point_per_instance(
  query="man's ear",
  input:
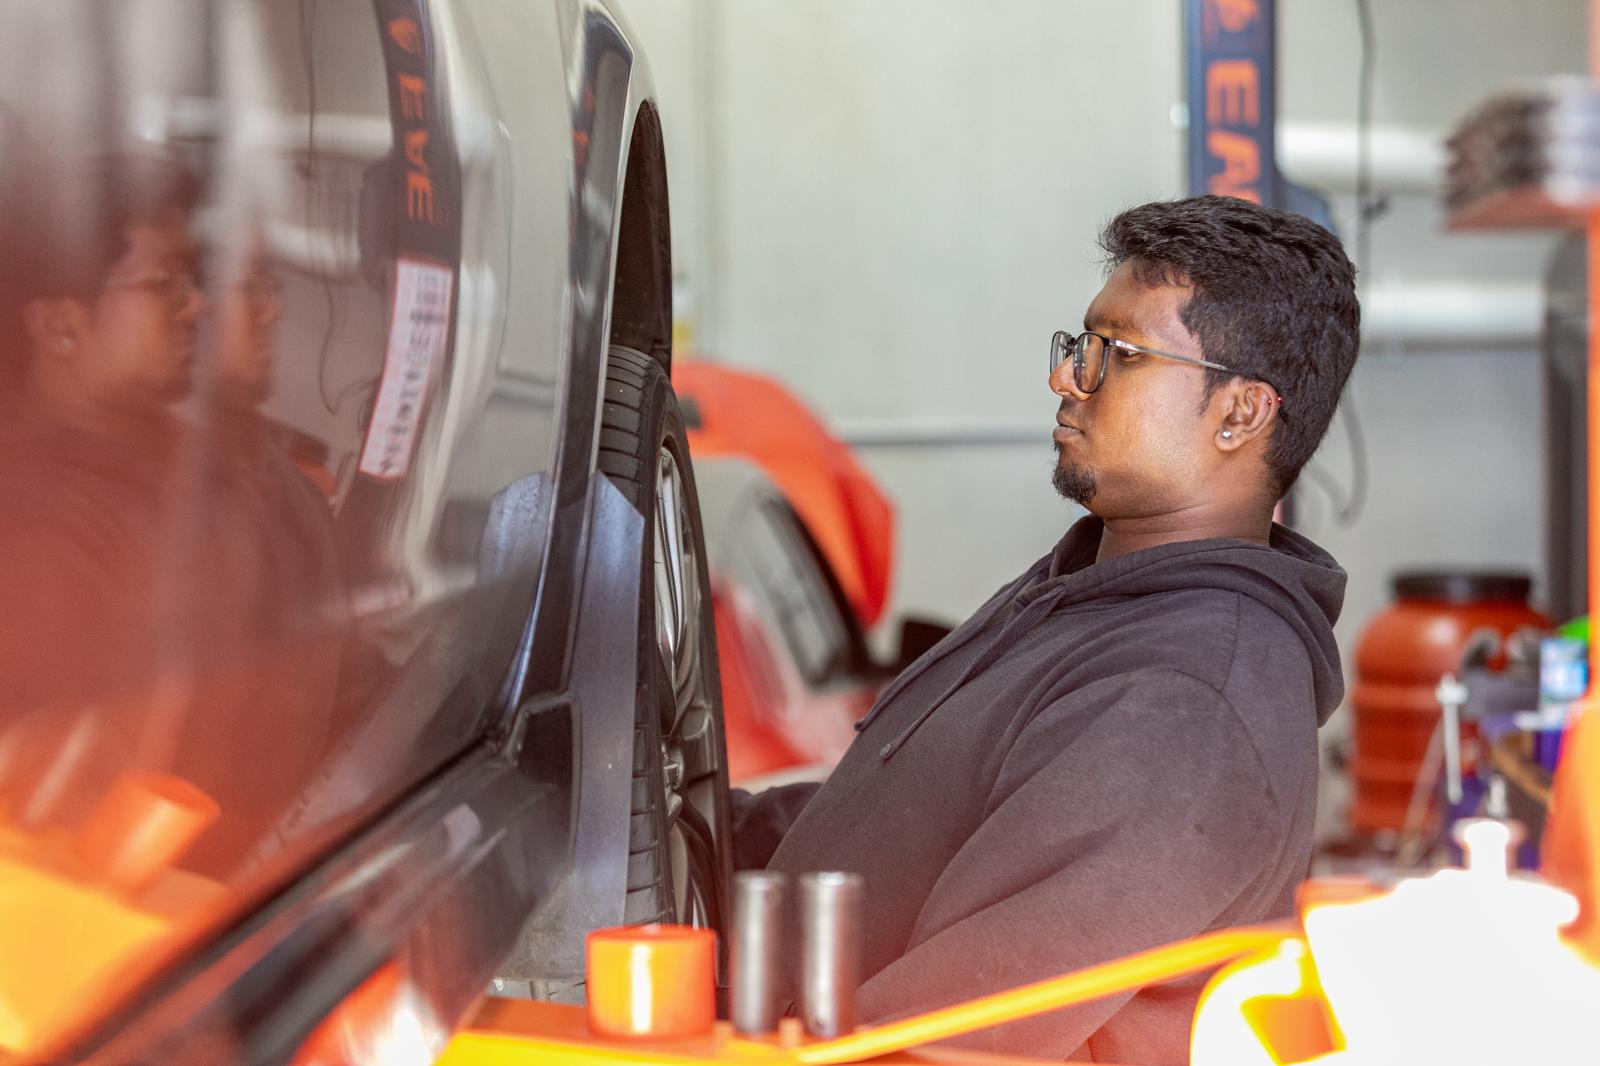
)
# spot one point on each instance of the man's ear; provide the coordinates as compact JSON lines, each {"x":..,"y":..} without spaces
{"x":56,"y":325}
{"x":1249,"y":409}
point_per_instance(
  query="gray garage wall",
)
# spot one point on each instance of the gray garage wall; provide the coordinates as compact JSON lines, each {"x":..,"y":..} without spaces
{"x":890,"y":204}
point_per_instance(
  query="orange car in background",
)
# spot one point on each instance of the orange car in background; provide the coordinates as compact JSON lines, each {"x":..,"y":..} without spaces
{"x":800,"y":545}
{"x":735,"y":412}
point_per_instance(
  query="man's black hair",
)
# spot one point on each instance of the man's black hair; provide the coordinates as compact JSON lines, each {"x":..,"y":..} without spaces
{"x":64,"y":222}
{"x":1273,"y":296}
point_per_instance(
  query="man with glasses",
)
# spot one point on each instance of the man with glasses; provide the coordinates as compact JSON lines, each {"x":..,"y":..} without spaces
{"x":1119,"y":749}
{"x":101,"y":307}
{"x":99,"y":289}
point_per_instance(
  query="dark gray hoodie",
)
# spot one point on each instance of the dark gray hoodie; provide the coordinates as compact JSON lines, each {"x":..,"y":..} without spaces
{"x":1104,"y":758}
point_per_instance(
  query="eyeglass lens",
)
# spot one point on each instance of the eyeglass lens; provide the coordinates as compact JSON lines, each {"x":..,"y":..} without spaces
{"x":1087,"y":352}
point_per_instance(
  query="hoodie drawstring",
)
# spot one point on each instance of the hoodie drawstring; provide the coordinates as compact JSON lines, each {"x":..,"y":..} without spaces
{"x":1013,"y":631}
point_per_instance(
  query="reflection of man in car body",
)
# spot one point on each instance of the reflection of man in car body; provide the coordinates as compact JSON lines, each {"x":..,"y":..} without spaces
{"x":163,"y":578}
{"x":1119,"y":749}
{"x":99,"y":285}
{"x":247,"y":327}
{"x":272,"y":604}
{"x":101,"y":305}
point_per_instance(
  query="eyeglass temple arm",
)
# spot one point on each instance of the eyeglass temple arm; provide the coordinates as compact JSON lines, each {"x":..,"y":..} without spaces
{"x":1187,"y":359}
{"x":1125,"y":346}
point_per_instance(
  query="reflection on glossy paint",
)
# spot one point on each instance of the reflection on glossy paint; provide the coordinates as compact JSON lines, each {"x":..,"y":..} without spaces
{"x":384,"y":1022}
{"x":232,"y":239}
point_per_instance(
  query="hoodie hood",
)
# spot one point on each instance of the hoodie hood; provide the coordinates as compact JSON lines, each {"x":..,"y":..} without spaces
{"x":1290,"y":576}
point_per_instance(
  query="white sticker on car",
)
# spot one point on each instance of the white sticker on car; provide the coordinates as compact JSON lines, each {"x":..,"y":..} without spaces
{"x":417,"y":336}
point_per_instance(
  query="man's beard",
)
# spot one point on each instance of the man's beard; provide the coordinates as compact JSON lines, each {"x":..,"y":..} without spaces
{"x":1074,"y":482}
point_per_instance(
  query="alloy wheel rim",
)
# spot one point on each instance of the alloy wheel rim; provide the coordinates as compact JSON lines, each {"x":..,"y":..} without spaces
{"x":680,"y":647}
{"x":677,"y":588}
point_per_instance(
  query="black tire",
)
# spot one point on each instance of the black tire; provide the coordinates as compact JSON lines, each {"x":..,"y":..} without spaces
{"x":640,"y":423}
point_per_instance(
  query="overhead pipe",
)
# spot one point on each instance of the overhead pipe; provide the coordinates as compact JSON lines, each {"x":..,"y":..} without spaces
{"x":1405,"y":159}
{"x":1322,"y":155}
{"x":1446,"y":314}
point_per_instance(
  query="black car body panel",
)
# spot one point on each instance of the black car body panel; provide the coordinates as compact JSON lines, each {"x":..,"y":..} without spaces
{"x":415,"y":710}
{"x":435,"y":886}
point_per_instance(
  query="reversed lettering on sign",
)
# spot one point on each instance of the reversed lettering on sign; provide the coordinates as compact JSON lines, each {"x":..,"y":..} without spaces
{"x":1233,"y":93}
{"x":405,"y":32}
{"x":417,"y":336}
{"x":1241,"y":165}
{"x":1233,"y":15}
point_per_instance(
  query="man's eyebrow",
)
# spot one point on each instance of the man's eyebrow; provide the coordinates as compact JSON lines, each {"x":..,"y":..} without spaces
{"x":1108,"y":325}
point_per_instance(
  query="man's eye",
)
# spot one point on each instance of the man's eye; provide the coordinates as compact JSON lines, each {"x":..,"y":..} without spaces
{"x":1127,"y":355}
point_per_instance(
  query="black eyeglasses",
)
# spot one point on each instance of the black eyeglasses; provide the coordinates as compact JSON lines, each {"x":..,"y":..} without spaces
{"x":173,"y":287}
{"x":1089,"y":352}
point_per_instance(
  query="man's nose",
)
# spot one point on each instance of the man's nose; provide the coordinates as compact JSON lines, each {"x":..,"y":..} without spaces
{"x":195,"y":305}
{"x":1063,"y":384}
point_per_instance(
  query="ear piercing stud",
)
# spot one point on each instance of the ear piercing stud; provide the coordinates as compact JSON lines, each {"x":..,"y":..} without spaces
{"x":1227,"y":434}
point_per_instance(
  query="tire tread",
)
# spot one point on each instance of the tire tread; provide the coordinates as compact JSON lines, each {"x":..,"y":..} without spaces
{"x":636,"y":392}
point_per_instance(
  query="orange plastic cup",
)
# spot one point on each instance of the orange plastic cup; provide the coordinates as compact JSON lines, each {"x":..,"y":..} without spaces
{"x":652,"y":981}
{"x":142,"y":827}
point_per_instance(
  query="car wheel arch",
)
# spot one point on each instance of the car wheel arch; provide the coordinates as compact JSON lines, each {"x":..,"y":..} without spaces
{"x":641,"y":290}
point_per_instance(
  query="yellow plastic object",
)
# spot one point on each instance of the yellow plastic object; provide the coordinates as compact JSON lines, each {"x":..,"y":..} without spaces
{"x":62,"y":944}
{"x":522,"y":1033}
{"x":1571,"y":850}
{"x":1264,"y":1010}
{"x":652,"y":981}
{"x":1094,"y":982}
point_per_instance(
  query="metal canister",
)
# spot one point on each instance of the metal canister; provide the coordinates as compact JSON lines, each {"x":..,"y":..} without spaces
{"x":756,"y":950}
{"x":830,"y":951}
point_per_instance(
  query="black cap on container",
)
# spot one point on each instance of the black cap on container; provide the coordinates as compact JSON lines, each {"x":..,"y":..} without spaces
{"x":1463,"y":586}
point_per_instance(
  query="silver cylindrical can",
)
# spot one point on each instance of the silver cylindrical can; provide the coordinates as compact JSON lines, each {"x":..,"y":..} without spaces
{"x":756,"y":951}
{"x":830,"y":952}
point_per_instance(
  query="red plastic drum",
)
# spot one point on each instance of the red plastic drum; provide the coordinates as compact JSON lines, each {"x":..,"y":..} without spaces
{"x":1399,"y":660}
